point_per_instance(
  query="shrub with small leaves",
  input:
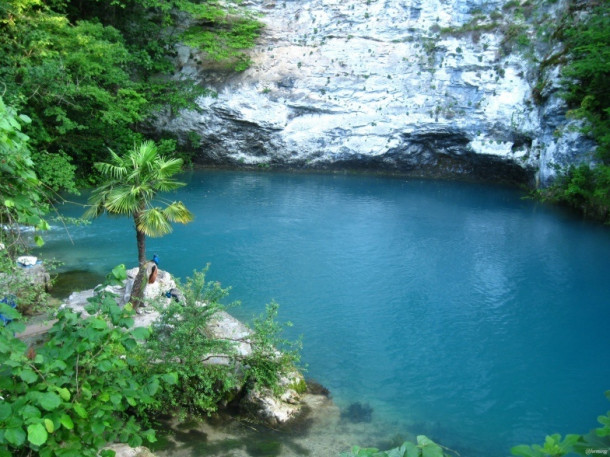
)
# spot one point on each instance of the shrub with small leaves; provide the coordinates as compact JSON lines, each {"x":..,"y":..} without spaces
{"x":78,"y":391}
{"x":180,"y":344}
{"x":272,"y":355}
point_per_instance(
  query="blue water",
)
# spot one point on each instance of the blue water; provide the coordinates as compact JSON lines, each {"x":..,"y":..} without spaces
{"x":457,"y":310}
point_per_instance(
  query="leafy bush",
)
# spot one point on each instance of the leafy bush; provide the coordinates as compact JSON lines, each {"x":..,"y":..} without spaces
{"x":79,"y":390}
{"x":585,"y":36}
{"x":179,"y":344}
{"x":22,"y":199}
{"x":587,"y":73}
{"x":90,"y":77}
{"x":272,"y":355}
{"x":585,"y":189}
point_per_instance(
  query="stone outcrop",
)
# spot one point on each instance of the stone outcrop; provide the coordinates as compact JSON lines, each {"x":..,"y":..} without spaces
{"x":398,"y":85}
{"x":262,"y":405}
{"x":273,"y":410}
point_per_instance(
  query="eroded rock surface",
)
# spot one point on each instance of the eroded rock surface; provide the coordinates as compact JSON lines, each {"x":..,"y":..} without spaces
{"x":262,"y":404}
{"x":383,"y":84}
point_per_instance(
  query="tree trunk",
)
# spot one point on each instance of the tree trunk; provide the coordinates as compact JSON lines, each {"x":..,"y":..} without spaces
{"x":137,"y":292}
{"x":141,"y":239}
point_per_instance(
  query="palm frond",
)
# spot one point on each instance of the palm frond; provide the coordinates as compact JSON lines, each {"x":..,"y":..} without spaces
{"x":147,"y":153}
{"x":110,"y":170}
{"x":154,"y":223}
{"x":168,"y":185}
{"x":114,"y":169}
{"x":93,"y":211}
{"x":121,"y":201}
{"x":169,"y":167}
{"x":116,"y":158}
{"x":177,"y":212}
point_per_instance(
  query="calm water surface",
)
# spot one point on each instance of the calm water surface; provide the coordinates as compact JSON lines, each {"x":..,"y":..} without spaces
{"x":455,"y":310}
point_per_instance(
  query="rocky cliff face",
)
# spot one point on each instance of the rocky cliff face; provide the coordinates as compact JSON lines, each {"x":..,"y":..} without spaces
{"x":424,"y":87}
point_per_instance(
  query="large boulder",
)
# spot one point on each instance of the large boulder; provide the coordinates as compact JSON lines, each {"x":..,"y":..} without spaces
{"x":263,"y":405}
{"x":259,"y":404}
{"x":35,"y":270}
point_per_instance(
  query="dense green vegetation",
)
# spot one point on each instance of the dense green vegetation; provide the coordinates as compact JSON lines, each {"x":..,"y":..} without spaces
{"x":98,"y":380}
{"x":90,"y":74}
{"x":22,"y":197}
{"x":584,"y":31}
{"x":180,"y":342}
{"x":79,"y":390}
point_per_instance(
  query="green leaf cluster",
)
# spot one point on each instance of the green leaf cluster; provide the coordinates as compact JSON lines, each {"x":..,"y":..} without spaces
{"x":584,"y":188}
{"x":180,"y":344}
{"x":22,"y":197}
{"x":78,"y":391}
{"x":272,"y":355}
{"x":92,"y":74}
{"x":131,"y":183}
{"x":423,"y":447}
{"x":222,"y":35}
{"x":587,"y":74}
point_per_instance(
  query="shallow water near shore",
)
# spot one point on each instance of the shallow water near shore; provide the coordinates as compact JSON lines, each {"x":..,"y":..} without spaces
{"x":455,"y":310}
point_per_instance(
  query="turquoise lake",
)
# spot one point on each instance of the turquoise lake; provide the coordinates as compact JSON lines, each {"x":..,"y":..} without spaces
{"x":455,"y":310}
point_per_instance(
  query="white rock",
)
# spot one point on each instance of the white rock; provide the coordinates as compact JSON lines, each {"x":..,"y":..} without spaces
{"x":336,"y":83}
{"x":124,"y":450}
{"x":27,"y":260}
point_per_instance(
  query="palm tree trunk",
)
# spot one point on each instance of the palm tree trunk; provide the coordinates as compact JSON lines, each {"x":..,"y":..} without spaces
{"x":137,"y":292}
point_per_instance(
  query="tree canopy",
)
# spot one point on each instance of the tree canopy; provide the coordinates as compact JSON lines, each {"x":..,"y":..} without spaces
{"x":90,"y":74}
{"x":22,"y":199}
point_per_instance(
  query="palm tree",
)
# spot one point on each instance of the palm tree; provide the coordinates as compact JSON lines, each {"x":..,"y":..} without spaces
{"x":132,"y":183}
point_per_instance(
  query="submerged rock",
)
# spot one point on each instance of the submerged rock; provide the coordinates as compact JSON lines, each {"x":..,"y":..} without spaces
{"x":358,"y":412}
{"x":426,"y":88}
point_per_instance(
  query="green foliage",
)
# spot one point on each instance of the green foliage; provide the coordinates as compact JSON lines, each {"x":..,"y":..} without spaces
{"x":423,"y":447}
{"x":272,"y":355}
{"x":588,"y":74}
{"x":56,"y":171}
{"x":584,"y":31}
{"x":221,"y":36}
{"x":73,"y":80}
{"x":91,"y":74}
{"x":180,"y":344}
{"x":22,"y":199}
{"x":585,"y":189}
{"x":555,"y":446}
{"x":76,"y":392}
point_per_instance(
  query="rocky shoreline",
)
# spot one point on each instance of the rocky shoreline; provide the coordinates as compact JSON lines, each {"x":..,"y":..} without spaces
{"x":259,"y":406}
